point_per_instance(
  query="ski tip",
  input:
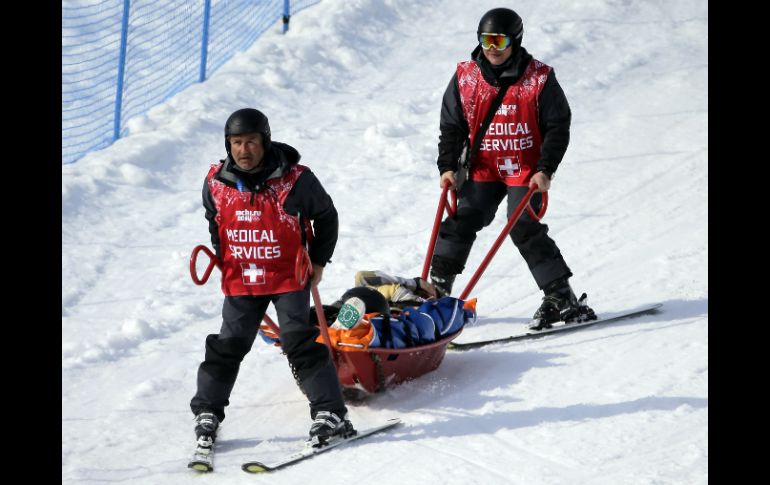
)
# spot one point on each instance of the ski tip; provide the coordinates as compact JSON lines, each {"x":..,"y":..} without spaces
{"x":200,"y":467}
{"x":254,"y":467}
{"x":389,"y":423}
{"x":456,"y":346}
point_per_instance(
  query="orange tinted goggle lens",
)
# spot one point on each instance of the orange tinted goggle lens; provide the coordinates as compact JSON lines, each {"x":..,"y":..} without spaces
{"x":498,"y":41}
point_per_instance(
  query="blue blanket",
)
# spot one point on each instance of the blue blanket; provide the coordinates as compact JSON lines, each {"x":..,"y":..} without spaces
{"x":431,"y":321}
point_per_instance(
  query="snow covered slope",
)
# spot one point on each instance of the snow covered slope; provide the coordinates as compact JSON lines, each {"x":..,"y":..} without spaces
{"x":356,"y":87}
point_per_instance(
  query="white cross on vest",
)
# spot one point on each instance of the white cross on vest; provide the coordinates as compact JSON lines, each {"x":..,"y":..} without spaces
{"x":253,"y":274}
{"x":509,"y":167}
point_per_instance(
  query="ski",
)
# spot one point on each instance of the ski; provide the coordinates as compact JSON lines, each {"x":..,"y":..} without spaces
{"x":203,"y":459}
{"x":309,"y":452}
{"x":561,"y":327}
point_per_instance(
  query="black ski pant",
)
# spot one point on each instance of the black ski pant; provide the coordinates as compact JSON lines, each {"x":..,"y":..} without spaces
{"x":310,"y":361}
{"x":476,"y":206}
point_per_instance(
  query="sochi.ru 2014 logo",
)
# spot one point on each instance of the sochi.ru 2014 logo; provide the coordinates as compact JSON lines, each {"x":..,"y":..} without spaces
{"x":247,"y":215}
{"x":504,"y":109}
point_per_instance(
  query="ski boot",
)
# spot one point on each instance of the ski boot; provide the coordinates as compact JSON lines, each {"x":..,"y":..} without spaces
{"x":206,"y":426}
{"x":328,"y":426}
{"x":442,"y":283}
{"x":560,"y":304}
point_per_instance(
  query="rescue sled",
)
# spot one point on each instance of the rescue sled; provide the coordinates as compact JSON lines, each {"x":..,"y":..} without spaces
{"x":372,"y":370}
{"x":366,"y":371}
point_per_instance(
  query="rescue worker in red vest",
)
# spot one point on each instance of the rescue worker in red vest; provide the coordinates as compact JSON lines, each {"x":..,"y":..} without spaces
{"x":522,"y":147}
{"x":259,"y":202}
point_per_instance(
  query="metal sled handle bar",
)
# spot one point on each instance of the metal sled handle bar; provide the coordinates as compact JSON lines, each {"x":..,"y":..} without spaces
{"x":506,"y":230}
{"x":214,"y":261}
{"x":451,"y":209}
{"x":303,"y":272}
{"x":319,"y":311}
{"x":302,"y":266}
{"x":270,"y":323}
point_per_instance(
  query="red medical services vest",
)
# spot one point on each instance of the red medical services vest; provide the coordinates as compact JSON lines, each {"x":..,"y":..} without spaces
{"x":510,"y":148}
{"x":259,"y":241}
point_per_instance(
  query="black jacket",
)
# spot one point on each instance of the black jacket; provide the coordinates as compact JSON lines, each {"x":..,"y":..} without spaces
{"x":553,"y":110}
{"x":307,"y":198}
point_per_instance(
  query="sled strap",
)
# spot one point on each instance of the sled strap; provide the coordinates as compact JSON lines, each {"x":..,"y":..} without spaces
{"x":408,"y":340}
{"x":487,"y":121}
{"x":387,"y":334}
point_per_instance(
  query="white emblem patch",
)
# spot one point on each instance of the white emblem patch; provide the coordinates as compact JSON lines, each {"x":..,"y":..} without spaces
{"x":253,"y":274}
{"x":508,"y":168}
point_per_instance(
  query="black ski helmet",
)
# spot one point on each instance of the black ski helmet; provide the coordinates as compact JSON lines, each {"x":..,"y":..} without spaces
{"x":373,"y":299}
{"x":248,"y":120}
{"x":503,"y":21}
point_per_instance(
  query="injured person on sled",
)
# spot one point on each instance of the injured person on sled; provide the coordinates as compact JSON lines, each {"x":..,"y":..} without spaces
{"x":384,"y":311}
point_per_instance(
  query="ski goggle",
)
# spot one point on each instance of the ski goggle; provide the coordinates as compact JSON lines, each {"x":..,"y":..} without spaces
{"x":498,"y":41}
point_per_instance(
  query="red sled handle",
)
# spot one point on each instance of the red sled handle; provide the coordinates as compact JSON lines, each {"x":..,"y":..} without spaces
{"x":303,"y":268}
{"x":303,"y":272}
{"x":506,"y":230}
{"x":214,"y":261}
{"x":451,"y":209}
